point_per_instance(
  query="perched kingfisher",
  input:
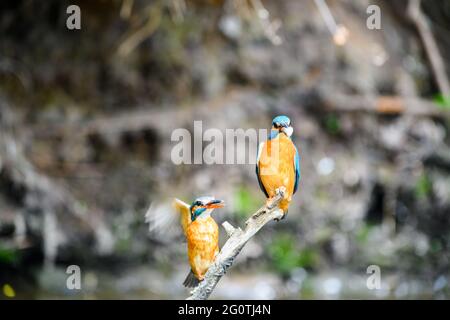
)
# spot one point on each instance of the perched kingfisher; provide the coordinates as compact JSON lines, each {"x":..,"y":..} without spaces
{"x":278,"y":163}
{"x":202,"y":234}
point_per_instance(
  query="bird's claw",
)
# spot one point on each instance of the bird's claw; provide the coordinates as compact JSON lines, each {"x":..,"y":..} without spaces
{"x":282,"y":217}
{"x":281,"y":190}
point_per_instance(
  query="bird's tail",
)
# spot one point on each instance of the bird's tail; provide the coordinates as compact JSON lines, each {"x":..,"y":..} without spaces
{"x":191,"y":281}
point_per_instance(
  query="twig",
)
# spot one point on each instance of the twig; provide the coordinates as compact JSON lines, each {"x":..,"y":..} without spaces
{"x":327,"y":16}
{"x":237,"y":240}
{"x":339,"y":32}
{"x":150,"y":117}
{"x":144,"y":32}
{"x":395,"y":105}
{"x":436,"y":61}
{"x":269,"y":27}
{"x":126,"y":8}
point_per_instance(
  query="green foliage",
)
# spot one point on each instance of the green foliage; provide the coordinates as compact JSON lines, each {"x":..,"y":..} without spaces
{"x":8,"y":256}
{"x":245,"y":202}
{"x":423,"y":186}
{"x":436,"y":246}
{"x":123,"y":245}
{"x":362,"y":234}
{"x":332,"y":124}
{"x":307,"y":258}
{"x":286,"y":255}
{"x":443,"y":102}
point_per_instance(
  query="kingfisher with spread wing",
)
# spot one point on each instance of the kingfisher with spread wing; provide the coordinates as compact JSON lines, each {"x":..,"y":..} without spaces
{"x":202,"y":234}
{"x":278,"y":163}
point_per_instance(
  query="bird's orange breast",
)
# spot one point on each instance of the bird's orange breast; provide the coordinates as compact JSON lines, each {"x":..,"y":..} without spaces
{"x":203,"y":245}
{"x":276,"y":167}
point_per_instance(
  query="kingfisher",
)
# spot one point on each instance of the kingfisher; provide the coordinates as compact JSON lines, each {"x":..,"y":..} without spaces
{"x":202,"y":234}
{"x":278,"y":163}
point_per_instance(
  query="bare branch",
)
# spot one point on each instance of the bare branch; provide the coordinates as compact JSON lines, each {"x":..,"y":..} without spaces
{"x":228,"y":228}
{"x":437,"y":63}
{"x":237,"y":240}
{"x":126,"y":9}
{"x":136,"y":37}
{"x":381,"y":105}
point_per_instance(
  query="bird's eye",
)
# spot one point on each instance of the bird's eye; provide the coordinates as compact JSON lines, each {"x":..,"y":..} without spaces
{"x":277,"y":125}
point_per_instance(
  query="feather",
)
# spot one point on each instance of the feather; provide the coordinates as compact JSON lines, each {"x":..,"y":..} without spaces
{"x":278,"y":160}
{"x":159,"y":217}
{"x":191,"y":281}
{"x":260,"y":148}
{"x":162,"y":218}
{"x":297,"y":169}
{"x":184,"y":211}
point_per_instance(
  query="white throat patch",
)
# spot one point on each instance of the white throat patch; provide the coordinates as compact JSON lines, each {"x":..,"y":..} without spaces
{"x":205,"y":214}
{"x":289,"y":131}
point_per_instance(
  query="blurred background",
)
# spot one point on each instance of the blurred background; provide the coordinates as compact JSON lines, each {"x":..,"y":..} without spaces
{"x":86,"y":118}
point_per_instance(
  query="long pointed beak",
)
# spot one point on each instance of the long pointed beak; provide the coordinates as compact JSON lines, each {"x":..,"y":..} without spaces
{"x":214,"y":204}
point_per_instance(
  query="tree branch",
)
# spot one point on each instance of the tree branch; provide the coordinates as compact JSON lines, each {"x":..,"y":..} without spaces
{"x":381,"y":105}
{"x":437,"y":63}
{"x":237,"y":240}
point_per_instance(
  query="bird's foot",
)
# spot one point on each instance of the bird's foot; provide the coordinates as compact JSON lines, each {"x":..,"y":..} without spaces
{"x":270,"y":203}
{"x":282,"y":217}
{"x":281,"y":190}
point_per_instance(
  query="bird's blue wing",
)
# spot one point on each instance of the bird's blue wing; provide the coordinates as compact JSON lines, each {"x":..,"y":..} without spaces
{"x":297,"y":169}
{"x":257,"y":169}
